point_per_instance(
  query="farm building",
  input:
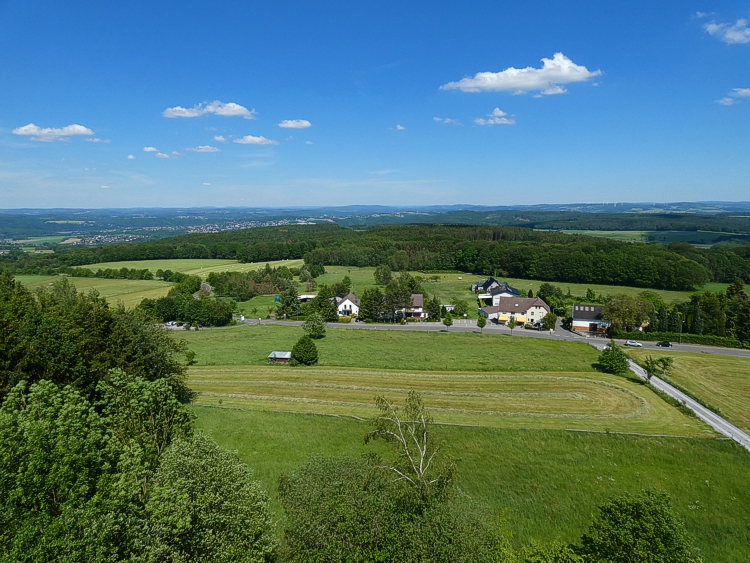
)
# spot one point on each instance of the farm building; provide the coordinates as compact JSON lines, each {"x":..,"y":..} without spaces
{"x":277,"y":357}
{"x":588,"y":318}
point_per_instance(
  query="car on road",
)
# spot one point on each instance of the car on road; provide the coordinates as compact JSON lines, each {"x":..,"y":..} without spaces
{"x":664,"y":344}
{"x":633,"y":343}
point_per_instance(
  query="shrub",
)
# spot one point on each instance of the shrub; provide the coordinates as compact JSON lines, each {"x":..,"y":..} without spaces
{"x":305,"y":352}
{"x":315,"y":326}
{"x":613,"y":359}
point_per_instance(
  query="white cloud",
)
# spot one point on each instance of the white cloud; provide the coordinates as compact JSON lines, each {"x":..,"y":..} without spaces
{"x":547,"y":80}
{"x":104,"y":187}
{"x":206,"y":183}
{"x":216,"y":107}
{"x":736,"y":33}
{"x":729,"y":100}
{"x":220,"y":138}
{"x":204,"y":148}
{"x":497,"y":117}
{"x":48,"y":134}
{"x":308,"y":142}
{"x":400,"y":127}
{"x":97,"y":140}
{"x":446,"y":120}
{"x":150,"y":149}
{"x":295,"y":124}
{"x":131,"y":157}
{"x":175,"y":153}
{"x":161,"y":155}
{"x":253,"y":140}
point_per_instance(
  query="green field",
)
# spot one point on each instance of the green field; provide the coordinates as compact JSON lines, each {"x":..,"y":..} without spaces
{"x":546,"y":483}
{"x":698,"y":238}
{"x":196,"y":267}
{"x":481,"y":379}
{"x":129,"y":292}
{"x":721,"y":381}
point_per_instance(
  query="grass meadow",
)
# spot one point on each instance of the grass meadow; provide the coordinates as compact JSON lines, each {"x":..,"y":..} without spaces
{"x":721,"y":381}
{"x":545,"y":484}
{"x":195,"y":267}
{"x":129,"y":292}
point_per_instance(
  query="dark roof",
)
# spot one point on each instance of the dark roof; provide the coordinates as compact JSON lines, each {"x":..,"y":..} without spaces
{"x":504,"y":288}
{"x":516,"y":305}
{"x":584,"y":312}
{"x":417,"y":300}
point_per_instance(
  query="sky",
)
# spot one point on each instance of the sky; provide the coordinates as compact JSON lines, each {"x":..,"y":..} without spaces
{"x":175,"y":104}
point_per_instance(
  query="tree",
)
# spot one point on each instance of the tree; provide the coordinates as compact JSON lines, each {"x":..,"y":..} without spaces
{"x":315,"y":326}
{"x":481,"y":322}
{"x":613,"y":359}
{"x":674,"y":322}
{"x":289,"y":305}
{"x":305,"y":352}
{"x":650,"y":366}
{"x":204,"y":506}
{"x":448,"y":320}
{"x":530,"y":294}
{"x":512,"y":323}
{"x":433,"y":308}
{"x":549,"y":321}
{"x":460,"y":308}
{"x":590,"y":295}
{"x":665,"y":364}
{"x":627,"y":311}
{"x":639,"y":527}
{"x":382,"y":274}
{"x":554,"y":552}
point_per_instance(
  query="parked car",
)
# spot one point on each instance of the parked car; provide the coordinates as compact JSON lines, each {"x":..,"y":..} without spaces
{"x":664,"y":344}
{"x":633,"y":343}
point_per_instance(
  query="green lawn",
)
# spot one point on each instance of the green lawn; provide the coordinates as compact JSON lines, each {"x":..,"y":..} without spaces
{"x":196,"y":267}
{"x":722,"y":381}
{"x":129,"y":292}
{"x":547,"y":484}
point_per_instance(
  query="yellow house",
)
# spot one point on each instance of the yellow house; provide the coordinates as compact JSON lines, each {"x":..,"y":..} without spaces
{"x":524,"y":309}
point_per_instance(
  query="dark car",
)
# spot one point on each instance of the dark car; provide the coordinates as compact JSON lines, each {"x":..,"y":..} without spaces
{"x":664,"y":344}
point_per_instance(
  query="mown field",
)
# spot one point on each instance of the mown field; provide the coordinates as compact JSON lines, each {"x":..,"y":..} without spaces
{"x":129,"y":292}
{"x":195,"y":267}
{"x":546,"y":484}
{"x":721,"y":381}
{"x":476,"y":379}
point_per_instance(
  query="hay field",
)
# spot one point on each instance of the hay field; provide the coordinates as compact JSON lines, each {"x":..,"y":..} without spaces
{"x":720,"y":381}
{"x":196,"y":267}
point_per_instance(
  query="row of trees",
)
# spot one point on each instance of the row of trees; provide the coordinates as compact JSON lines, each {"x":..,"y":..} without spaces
{"x":189,"y":303}
{"x":512,"y":251}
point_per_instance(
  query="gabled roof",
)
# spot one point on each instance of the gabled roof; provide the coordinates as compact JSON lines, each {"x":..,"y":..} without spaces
{"x":516,"y":305}
{"x":585,"y":312}
{"x":417,"y":300}
{"x":351,"y":298}
{"x":503,"y":287}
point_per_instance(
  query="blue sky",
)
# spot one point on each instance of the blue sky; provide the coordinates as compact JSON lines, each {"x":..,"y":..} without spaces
{"x":282,"y":103}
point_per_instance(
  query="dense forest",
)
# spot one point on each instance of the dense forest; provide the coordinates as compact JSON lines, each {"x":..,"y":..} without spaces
{"x":511,"y":251}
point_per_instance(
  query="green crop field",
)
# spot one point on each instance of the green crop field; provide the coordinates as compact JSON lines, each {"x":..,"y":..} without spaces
{"x":546,"y":484}
{"x":129,"y":292}
{"x":699,"y":238}
{"x":627,"y":236}
{"x":196,"y":267}
{"x":721,"y":381}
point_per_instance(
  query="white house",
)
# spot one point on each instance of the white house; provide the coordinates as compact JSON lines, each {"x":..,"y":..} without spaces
{"x":348,"y":306}
{"x":524,"y":309}
{"x":417,"y":307}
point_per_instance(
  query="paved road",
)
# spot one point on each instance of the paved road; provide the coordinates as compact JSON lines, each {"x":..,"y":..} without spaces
{"x":460,"y":325}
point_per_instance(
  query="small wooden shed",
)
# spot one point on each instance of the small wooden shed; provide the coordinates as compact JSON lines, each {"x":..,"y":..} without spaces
{"x":277,"y":357}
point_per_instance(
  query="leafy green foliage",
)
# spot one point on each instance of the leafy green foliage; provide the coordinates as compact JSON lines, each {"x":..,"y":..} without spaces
{"x":554,"y":552}
{"x":315,"y":326}
{"x":549,"y":321}
{"x":382,"y":274}
{"x":638,"y":527}
{"x":340,"y":509}
{"x":75,"y":339}
{"x":613,"y":359}
{"x":305,"y":352}
{"x":627,"y":311}
{"x":204,"y":506}
{"x":448,"y":320}
{"x":481,"y":322}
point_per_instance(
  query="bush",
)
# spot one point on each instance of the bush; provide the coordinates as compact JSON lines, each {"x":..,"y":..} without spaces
{"x":613,"y":359}
{"x":315,"y":326}
{"x":346,"y":319}
{"x":305,"y":352}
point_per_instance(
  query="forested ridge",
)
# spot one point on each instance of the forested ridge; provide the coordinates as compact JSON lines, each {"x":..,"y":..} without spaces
{"x":513,"y":251}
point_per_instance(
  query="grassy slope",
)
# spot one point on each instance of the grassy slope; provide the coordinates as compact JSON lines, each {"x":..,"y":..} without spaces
{"x":521,"y":390}
{"x":721,"y":381}
{"x":198,"y":267}
{"x":129,"y":292}
{"x":547,"y":483}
